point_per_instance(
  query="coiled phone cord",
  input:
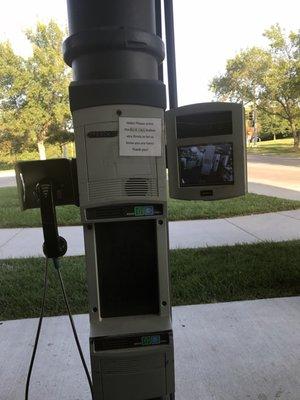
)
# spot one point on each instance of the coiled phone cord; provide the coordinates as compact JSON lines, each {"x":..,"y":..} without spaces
{"x":57,"y":267}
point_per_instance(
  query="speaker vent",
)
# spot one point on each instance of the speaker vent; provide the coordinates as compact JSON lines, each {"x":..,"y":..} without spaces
{"x":137,"y":187}
{"x":110,"y":189}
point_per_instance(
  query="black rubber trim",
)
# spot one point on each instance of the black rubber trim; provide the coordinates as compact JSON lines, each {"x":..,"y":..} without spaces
{"x":121,"y":211}
{"x":109,"y":39}
{"x":129,"y":341}
{"x":85,"y":94}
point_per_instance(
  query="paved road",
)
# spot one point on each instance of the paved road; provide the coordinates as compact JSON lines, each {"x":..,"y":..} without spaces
{"x":277,"y":160}
{"x":277,"y":172}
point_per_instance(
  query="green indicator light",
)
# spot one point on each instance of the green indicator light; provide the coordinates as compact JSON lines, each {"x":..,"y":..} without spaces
{"x":139,"y":211}
{"x":150,"y":340}
{"x":146,"y":341}
{"x":143,"y":211}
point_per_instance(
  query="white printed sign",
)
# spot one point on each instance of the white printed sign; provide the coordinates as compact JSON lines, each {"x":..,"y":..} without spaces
{"x":140,"y":136}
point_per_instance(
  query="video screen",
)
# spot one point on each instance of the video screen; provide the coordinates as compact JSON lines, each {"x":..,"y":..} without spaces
{"x":206,"y":165}
{"x":202,"y":124}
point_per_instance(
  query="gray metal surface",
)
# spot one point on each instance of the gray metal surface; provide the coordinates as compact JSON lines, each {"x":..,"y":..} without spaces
{"x":235,"y":137}
{"x":229,"y":351}
{"x":120,"y":164}
{"x":102,"y":173}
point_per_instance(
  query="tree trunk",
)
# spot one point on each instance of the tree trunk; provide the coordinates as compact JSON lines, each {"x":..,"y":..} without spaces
{"x":73,"y":149}
{"x":64,"y":149}
{"x":42,"y":150}
{"x":274,"y":136}
{"x":296,"y":140}
{"x":296,"y":135}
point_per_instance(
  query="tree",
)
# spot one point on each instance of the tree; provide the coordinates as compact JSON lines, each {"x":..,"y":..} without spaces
{"x":34,"y":92}
{"x":269,"y":79}
{"x":13,"y":80}
{"x":272,"y":127}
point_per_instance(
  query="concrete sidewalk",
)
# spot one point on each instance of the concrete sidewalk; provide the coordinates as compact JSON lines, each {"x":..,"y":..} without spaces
{"x":246,"y":350}
{"x":273,"y":191}
{"x":7,"y":178}
{"x":285,"y":225}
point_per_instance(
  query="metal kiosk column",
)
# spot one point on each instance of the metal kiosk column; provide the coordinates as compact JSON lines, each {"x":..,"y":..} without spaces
{"x":118,"y":104}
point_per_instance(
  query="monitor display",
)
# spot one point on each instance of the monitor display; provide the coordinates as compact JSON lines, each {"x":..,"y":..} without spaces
{"x":213,"y":123}
{"x":206,"y":164}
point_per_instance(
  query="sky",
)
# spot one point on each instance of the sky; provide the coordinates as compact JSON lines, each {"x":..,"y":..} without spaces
{"x":207,"y":33}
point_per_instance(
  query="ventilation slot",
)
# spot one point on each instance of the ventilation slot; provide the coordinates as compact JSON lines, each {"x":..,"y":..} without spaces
{"x":127,"y":342}
{"x":133,"y":365}
{"x":137,"y":187}
{"x":106,"y":189}
{"x":104,"y":212}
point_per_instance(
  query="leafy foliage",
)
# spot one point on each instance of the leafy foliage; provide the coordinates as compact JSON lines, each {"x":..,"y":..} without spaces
{"x":272,"y":127}
{"x":34,"y":104}
{"x":268,"y":79}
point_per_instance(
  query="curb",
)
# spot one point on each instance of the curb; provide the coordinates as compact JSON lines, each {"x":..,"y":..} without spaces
{"x":7,"y":174}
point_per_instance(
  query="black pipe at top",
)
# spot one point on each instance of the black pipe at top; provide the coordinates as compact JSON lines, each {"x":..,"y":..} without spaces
{"x":89,"y":14}
{"x":171,"y":54}
{"x":116,"y":52}
{"x":159,"y":33}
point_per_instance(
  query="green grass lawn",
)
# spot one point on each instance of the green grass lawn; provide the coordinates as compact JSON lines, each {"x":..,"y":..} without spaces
{"x":11,"y":216}
{"x":209,"y":275}
{"x":280,"y":147}
{"x":7,"y":161}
